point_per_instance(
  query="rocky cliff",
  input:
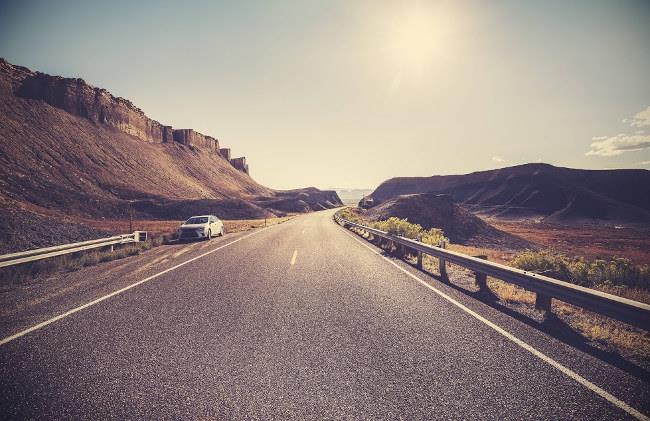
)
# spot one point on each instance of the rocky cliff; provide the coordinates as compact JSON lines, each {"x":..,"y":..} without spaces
{"x":79,"y":98}
{"x":70,"y":153}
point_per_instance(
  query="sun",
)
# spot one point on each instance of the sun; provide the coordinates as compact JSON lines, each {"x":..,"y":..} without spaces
{"x":417,"y":37}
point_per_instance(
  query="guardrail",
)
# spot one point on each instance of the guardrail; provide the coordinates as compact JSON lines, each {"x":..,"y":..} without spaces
{"x":546,"y":288}
{"x":47,"y":252}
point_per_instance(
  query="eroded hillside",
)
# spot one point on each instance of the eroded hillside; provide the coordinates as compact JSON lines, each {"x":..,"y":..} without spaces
{"x":538,"y":191}
{"x":68,"y":149}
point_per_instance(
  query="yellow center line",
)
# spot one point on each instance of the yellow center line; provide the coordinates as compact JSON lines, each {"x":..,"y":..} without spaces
{"x":293,"y":258}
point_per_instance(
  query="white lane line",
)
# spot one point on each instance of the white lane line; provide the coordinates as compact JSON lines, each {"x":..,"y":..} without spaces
{"x":567,"y":371}
{"x":293,"y":258}
{"x":119,"y":291}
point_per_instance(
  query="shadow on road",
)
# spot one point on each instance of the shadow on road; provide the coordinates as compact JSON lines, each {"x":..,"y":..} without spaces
{"x":552,"y":326}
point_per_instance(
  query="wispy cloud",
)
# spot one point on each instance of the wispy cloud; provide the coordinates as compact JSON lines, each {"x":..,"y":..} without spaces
{"x":623,"y":142}
{"x":641,"y":119}
{"x":498,"y":159}
{"x":616,"y":145}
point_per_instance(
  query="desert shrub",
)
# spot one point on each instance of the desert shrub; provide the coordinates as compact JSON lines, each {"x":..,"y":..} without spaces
{"x":433,"y":236}
{"x":351,"y":216}
{"x":401,"y":227}
{"x":577,"y":270}
{"x":404,"y":228}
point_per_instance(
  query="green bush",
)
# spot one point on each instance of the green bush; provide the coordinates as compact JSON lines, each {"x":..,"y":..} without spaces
{"x":401,"y":227}
{"x":348,"y":214}
{"x":434,"y":237}
{"x":404,"y":228}
{"x":577,"y":270}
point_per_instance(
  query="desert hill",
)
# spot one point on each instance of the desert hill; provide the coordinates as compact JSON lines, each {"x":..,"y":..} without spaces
{"x":439,"y":211}
{"x":69,"y":149}
{"x":538,"y":190}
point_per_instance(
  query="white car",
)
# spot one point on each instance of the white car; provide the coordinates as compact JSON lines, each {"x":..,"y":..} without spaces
{"x":201,"y":227}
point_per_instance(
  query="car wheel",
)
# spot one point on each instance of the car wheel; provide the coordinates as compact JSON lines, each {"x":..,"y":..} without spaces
{"x":222,"y":232}
{"x":209,"y":235}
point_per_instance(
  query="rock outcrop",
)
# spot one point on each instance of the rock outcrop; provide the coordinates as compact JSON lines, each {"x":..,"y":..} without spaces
{"x":240,"y":164}
{"x":225,"y":152}
{"x":79,"y":98}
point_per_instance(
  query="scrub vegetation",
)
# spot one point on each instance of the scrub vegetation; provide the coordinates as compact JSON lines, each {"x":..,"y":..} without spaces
{"x":577,"y":270}
{"x":401,"y":227}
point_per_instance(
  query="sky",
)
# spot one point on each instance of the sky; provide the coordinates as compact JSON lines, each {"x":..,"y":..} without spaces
{"x":351,"y":93}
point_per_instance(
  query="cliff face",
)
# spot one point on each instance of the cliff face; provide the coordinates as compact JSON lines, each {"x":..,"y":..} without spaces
{"x":70,"y":152}
{"x":77,"y":97}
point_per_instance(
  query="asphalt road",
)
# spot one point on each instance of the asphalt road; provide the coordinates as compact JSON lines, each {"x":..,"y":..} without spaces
{"x":302,"y":321}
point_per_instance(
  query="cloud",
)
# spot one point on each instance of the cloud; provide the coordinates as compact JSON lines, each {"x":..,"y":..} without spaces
{"x":641,"y":119}
{"x":616,"y":145}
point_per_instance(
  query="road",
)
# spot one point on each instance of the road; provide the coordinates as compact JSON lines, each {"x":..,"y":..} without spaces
{"x":301,"y":320}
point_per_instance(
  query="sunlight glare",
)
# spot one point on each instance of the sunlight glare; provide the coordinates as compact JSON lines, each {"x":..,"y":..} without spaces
{"x":417,"y":38}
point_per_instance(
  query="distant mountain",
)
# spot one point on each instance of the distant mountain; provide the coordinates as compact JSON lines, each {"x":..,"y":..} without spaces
{"x":71,"y":150}
{"x":538,"y":190}
{"x":352,"y":196}
{"x":439,"y":211}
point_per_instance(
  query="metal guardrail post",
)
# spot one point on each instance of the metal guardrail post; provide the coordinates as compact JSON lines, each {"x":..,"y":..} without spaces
{"x":543,"y":303}
{"x":442,"y":264}
{"x":481,"y":278}
{"x":419,"y":263}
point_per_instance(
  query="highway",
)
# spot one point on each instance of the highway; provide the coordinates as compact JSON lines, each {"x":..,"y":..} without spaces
{"x":302,"y":320}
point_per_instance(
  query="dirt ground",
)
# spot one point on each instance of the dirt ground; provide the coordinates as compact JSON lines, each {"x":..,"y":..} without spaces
{"x":588,"y":240}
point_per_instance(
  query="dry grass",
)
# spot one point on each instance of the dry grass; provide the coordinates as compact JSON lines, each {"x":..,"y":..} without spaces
{"x":626,"y":339}
{"x":510,"y":293}
{"x":499,"y":256}
{"x":598,"y":329}
{"x":71,"y":262}
{"x":247,"y":224}
{"x":590,"y":241}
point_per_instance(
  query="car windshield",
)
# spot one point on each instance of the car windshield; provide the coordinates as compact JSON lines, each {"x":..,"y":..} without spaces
{"x":197,"y":220}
